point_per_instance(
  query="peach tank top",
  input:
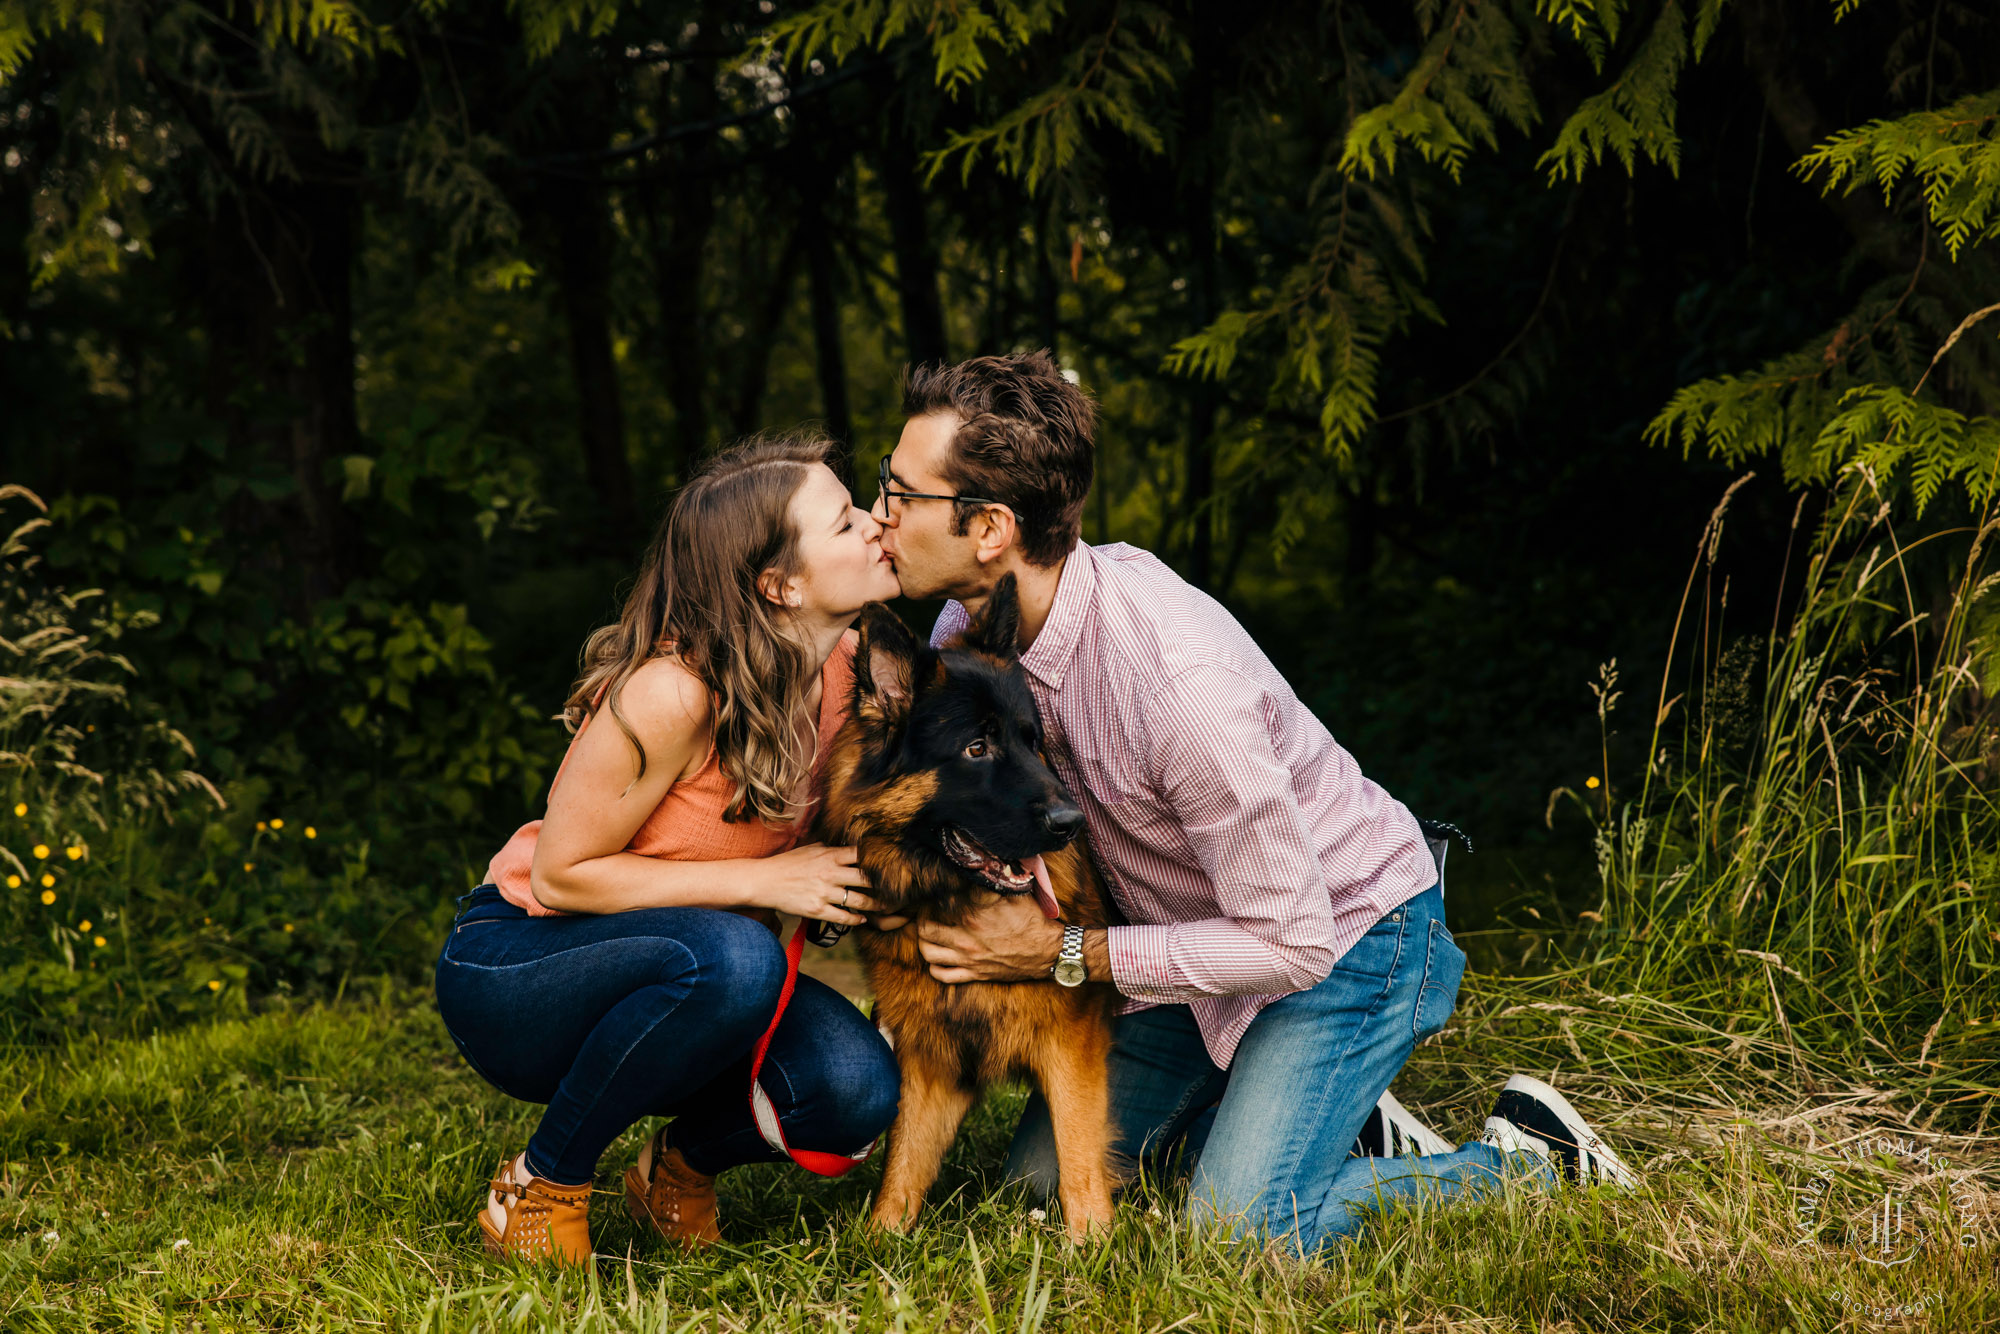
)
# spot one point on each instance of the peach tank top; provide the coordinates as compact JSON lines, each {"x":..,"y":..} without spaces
{"x":687,"y":825}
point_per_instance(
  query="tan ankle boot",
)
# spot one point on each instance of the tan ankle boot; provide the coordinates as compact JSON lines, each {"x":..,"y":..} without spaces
{"x":544,"y":1221}
{"x":665,"y":1192}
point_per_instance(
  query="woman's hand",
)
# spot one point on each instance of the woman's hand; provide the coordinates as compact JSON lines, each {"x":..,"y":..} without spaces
{"x":815,"y":881}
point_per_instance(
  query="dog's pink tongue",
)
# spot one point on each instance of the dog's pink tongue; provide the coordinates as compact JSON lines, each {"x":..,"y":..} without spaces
{"x":1045,"y":893}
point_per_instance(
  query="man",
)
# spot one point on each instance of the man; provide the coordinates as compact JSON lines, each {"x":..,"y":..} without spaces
{"x":1287,"y":946}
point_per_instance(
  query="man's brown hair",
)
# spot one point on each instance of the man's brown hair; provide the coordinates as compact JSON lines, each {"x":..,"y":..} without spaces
{"x":1026,"y":438}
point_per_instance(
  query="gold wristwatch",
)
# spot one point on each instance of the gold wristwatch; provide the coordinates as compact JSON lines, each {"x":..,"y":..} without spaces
{"x":1069,"y":962}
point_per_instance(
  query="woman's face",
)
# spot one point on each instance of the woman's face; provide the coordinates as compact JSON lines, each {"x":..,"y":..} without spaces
{"x":841,"y":563}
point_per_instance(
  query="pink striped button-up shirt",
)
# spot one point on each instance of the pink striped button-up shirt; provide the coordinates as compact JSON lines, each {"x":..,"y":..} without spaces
{"x":1247,"y":849}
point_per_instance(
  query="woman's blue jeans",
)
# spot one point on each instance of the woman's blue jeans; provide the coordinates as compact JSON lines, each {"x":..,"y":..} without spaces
{"x":610,"y":1019}
{"x":1269,"y":1136}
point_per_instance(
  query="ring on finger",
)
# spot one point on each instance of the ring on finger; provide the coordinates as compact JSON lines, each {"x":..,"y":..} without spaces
{"x":845,"y":890}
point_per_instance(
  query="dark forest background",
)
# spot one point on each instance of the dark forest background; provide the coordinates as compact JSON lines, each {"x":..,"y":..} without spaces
{"x":354,"y":349}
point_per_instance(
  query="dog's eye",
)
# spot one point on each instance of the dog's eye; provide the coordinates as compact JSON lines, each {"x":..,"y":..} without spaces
{"x":976,"y":749}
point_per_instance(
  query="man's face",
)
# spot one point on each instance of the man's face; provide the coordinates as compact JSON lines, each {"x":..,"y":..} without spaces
{"x":931,"y":560}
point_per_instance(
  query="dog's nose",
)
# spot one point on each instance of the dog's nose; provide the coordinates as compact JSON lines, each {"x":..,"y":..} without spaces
{"x":1063,"y":820}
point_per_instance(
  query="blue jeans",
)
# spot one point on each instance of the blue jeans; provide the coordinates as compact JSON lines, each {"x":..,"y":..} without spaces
{"x":1270,"y":1135}
{"x":610,"y":1019}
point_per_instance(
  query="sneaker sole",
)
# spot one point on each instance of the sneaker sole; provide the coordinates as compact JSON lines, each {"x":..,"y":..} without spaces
{"x":1403,"y":1122}
{"x":1603,"y":1160}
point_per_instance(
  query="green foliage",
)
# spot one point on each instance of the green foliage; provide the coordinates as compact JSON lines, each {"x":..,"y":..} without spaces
{"x":1834,"y":403}
{"x":1953,"y":153}
{"x":359,"y":750}
{"x":1635,"y":115}
{"x":1468,"y":79}
{"x":70,"y":728}
{"x":1101,"y":83}
{"x":1823,"y":808}
{"x":959,"y":35}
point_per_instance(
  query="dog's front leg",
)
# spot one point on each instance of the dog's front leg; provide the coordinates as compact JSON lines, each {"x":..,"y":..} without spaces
{"x":933,"y":1103}
{"x":1072,"y":1071}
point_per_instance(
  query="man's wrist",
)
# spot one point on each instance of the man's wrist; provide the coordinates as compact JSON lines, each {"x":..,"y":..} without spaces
{"x":1097,"y":955}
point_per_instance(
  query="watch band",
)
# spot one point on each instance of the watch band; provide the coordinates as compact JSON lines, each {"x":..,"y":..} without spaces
{"x":1069,"y":969}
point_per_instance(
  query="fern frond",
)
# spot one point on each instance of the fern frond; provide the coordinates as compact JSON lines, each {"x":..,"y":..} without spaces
{"x":1635,"y":114}
{"x":1954,"y":153}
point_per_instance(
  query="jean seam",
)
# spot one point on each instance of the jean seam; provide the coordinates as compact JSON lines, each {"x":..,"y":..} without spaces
{"x":644,"y":1034}
{"x":1180,"y":1110}
{"x":540,"y":959}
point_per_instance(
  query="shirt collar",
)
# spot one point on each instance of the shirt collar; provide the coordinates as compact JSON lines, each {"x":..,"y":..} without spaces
{"x":1076,"y":594}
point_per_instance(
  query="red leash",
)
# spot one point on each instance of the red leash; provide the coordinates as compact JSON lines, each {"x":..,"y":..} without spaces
{"x":824,"y":1164}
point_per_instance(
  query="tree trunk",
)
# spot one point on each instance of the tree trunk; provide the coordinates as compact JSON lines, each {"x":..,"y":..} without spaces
{"x":1045,"y":277}
{"x":763,"y":334}
{"x":824,"y":281}
{"x":1204,"y":283}
{"x":1773,"y":53}
{"x":689,"y":96}
{"x":916,"y":259}
{"x":281,"y":365}
{"x":583,"y":250}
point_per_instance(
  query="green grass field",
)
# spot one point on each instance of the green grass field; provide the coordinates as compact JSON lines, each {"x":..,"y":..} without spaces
{"x":320,"y":1168}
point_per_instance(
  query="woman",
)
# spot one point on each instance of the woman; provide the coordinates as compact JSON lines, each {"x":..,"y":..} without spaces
{"x":621,"y":962}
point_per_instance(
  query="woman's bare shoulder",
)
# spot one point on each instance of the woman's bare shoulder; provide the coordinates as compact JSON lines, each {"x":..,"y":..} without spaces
{"x":663,"y":695}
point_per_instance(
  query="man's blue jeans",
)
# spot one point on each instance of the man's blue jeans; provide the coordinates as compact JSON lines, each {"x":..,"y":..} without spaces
{"x":1270,"y":1135}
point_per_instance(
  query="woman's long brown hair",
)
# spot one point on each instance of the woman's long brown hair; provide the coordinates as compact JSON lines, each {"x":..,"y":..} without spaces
{"x":697,"y":599}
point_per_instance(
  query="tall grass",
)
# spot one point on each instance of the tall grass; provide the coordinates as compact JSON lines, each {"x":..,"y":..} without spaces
{"x":1811,"y":862}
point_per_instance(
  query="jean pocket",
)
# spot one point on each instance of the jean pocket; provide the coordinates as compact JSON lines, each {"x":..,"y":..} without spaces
{"x":1444,"y":969}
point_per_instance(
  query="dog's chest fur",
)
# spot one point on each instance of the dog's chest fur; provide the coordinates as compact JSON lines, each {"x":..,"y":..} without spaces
{"x":986,"y":1031}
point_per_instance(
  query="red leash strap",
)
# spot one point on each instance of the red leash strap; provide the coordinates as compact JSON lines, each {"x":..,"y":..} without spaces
{"x":824,"y":1164}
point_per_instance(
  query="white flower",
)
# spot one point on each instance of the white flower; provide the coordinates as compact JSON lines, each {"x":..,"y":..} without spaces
{"x":52,"y":1237}
{"x":1154,"y":1212}
{"x":1038,"y":1215}
{"x":182,"y":1244}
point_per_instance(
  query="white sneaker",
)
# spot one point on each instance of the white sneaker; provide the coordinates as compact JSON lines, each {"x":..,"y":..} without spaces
{"x":1532,"y":1117}
{"x":1392,"y":1130}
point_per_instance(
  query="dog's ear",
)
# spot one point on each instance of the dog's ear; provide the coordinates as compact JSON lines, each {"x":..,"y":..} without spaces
{"x":885,"y":662}
{"x":997,"y":627}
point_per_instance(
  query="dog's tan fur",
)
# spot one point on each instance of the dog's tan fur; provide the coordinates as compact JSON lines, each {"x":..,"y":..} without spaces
{"x":952,"y":1041}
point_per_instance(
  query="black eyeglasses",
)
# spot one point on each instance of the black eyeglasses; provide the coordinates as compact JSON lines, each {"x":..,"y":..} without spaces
{"x":886,"y":490}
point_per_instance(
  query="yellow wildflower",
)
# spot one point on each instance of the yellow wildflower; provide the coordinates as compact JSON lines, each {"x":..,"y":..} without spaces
{"x":13,"y":882}
{"x":1590,"y":781}
{"x":48,"y":879}
{"x":276,"y":823}
{"x":288,"y":928}
{"x":73,"y":852}
{"x":84,"y":925}
{"x":249,"y":866}
{"x":20,"y":808}
{"x":48,"y":896}
{"x":311,"y":832}
{"x":100,"y":942}
{"x":261,"y":826}
{"x":41,"y":851}
{"x":214,"y":985}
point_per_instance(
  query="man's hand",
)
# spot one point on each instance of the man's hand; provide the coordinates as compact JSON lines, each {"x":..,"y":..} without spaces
{"x":1007,"y":940}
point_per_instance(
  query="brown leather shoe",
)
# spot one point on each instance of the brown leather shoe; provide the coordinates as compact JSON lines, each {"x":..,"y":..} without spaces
{"x":544,"y":1221}
{"x":662,"y":1190}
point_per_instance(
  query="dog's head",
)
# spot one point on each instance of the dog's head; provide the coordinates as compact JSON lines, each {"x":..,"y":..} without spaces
{"x":942,"y":782}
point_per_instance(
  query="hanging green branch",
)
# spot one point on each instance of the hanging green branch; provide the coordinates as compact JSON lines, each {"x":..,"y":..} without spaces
{"x":1954,"y":153}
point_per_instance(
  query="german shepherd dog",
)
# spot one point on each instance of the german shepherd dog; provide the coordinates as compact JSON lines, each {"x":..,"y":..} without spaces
{"x":939,"y":780}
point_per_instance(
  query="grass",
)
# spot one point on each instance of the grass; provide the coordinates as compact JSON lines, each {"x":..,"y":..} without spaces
{"x":320,"y":1167}
{"x":1784,"y":1008}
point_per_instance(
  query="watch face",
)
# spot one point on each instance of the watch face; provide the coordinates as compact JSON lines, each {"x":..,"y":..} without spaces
{"x":1069,"y":972}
